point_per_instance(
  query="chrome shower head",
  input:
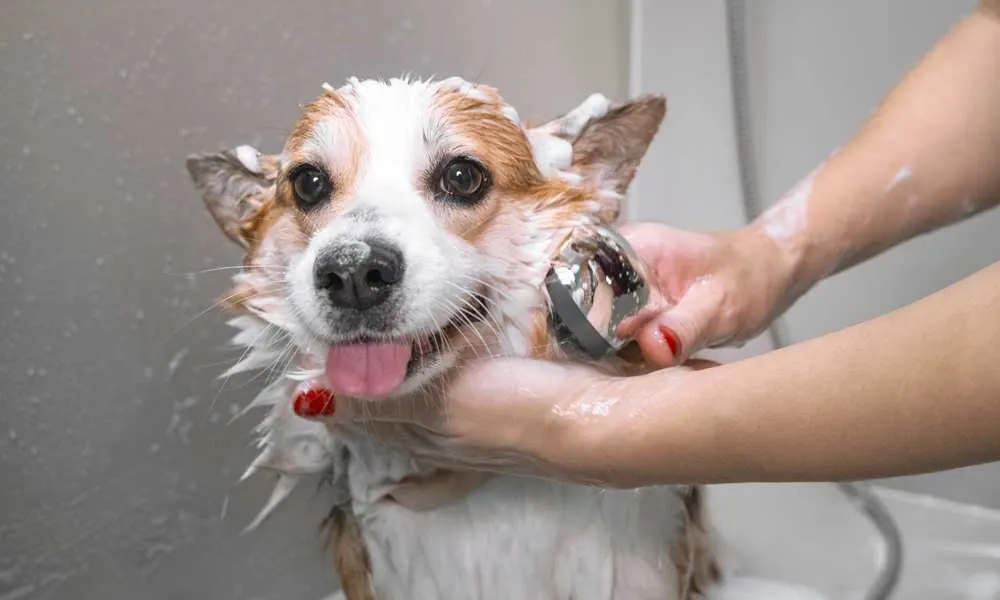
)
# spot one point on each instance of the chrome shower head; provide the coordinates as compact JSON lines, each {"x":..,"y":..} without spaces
{"x":595,"y":282}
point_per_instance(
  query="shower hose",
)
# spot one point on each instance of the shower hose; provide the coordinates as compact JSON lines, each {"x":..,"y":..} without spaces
{"x":860,"y":494}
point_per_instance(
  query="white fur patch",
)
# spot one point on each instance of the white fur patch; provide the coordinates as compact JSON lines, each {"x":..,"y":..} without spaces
{"x":249,"y":157}
{"x":466,"y":87}
{"x":572,"y":123}
{"x":552,"y":154}
{"x":552,"y":143}
{"x":290,"y":445}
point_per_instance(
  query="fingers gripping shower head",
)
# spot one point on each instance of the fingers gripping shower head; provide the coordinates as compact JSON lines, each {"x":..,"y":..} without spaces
{"x":595,"y":282}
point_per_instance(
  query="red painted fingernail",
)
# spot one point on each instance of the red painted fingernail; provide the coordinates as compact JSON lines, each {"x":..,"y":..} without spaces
{"x":314,"y":402}
{"x":672,"y":340}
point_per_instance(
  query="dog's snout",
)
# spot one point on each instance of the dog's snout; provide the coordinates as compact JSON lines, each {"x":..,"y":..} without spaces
{"x":359,"y":275}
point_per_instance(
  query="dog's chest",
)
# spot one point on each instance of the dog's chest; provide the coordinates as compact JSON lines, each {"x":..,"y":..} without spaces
{"x":519,"y":537}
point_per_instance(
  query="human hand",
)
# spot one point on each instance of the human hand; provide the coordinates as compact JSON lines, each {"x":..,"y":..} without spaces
{"x":524,"y":416}
{"x":711,"y":289}
{"x":503,"y":414}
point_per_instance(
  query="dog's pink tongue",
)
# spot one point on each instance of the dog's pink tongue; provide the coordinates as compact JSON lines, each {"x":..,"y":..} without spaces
{"x":366,"y":369}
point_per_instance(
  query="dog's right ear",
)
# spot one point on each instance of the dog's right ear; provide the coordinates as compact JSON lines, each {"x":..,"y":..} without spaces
{"x":609,"y":139}
{"x":235,"y":186}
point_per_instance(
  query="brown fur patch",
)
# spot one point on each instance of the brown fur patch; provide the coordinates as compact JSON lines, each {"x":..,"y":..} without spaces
{"x":541,"y":343}
{"x":331,"y":112}
{"x":254,"y":228}
{"x":477,"y":121}
{"x":497,"y":140}
{"x":695,"y":559}
{"x":350,"y":556}
{"x":620,"y":138}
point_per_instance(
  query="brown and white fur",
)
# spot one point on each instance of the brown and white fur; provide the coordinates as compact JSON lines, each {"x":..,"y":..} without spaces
{"x":382,"y":146}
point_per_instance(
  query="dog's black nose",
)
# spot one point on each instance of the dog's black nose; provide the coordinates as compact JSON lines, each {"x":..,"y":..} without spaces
{"x":359,"y":275}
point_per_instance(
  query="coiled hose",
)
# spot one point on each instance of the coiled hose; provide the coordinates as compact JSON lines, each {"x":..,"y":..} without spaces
{"x":860,"y":494}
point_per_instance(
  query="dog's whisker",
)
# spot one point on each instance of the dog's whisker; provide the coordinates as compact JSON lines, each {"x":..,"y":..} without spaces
{"x":288,"y":350}
{"x":463,"y":319}
{"x":225,"y":268}
{"x":469,"y":343}
{"x":220,"y":303}
{"x":468,"y":323}
{"x":250,"y":347}
{"x":479,"y":281}
{"x":437,"y":341}
{"x":290,"y":354}
{"x":490,"y":320}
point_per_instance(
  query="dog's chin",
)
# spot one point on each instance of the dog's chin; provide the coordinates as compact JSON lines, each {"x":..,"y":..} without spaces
{"x":376,"y":366}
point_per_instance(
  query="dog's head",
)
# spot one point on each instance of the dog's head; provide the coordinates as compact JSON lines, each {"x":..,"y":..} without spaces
{"x":407,"y":222}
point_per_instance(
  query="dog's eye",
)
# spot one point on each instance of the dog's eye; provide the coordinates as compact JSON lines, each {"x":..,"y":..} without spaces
{"x":463,"y":179}
{"x":311,"y":186}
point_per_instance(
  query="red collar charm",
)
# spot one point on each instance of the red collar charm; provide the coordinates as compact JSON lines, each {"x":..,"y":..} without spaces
{"x":314,"y":402}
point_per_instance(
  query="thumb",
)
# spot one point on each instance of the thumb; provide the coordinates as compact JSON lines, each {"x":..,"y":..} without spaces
{"x":677,"y":333}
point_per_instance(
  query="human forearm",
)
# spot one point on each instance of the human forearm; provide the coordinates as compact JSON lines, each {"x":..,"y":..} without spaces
{"x":925,"y":159}
{"x":913,"y":391}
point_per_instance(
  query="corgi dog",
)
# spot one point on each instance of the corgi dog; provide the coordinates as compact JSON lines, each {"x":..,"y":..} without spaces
{"x":406,"y":227}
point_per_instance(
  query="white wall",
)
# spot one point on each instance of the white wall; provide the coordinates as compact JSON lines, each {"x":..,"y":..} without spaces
{"x":690,"y":177}
{"x":816,"y":70}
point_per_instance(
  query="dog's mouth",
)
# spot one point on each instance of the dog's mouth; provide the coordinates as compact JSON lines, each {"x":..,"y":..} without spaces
{"x":372,"y":366}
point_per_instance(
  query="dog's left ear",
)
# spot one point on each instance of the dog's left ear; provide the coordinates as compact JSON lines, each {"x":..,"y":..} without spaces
{"x":608,"y":139}
{"x":235,"y":186}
